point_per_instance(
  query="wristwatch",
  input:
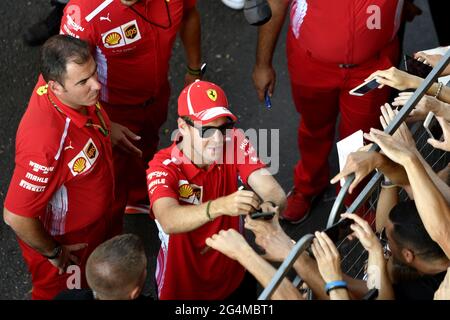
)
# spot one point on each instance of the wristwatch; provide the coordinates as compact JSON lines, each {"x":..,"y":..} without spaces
{"x":55,"y":253}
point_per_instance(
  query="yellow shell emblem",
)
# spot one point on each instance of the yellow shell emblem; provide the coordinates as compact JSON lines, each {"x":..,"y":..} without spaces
{"x":212,"y":94}
{"x":79,"y":165}
{"x":186,"y":191}
{"x":42,"y":90}
{"x":113,"y":38}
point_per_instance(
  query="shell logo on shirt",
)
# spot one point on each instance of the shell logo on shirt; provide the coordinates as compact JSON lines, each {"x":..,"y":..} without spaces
{"x":79,"y":165}
{"x":185,"y":191}
{"x":84,"y":159}
{"x":122,"y":36}
{"x":189,"y":192}
{"x":113,"y":38}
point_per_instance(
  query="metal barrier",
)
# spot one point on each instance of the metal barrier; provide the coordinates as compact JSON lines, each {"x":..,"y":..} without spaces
{"x":367,"y":195}
{"x":287,"y":264}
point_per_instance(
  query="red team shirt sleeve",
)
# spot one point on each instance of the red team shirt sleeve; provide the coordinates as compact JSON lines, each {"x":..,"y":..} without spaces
{"x":32,"y":184}
{"x":162,"y":182}
{"x":73,"y":22}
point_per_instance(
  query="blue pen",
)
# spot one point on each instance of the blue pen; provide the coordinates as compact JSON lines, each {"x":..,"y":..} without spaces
{"x":267,"y":99}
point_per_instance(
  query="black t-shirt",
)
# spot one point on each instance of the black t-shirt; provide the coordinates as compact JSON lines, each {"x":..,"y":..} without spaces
{"x":87,"y":294}
{"x":422,"y":288}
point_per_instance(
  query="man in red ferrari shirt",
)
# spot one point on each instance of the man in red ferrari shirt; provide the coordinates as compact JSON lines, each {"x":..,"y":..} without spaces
{"x":193,"y":190}
{"x":61,"y":192}
{"x":332,"y":46}
{"x":132,"y":41}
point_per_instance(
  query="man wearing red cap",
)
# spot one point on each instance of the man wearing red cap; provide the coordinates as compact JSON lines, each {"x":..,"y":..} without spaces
{"x":332,"y":46}
{"x":193,"y":190}
{"x":132,"y":41}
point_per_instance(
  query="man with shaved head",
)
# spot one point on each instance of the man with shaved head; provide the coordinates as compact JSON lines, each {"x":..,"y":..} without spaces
{"x":116,"y":270}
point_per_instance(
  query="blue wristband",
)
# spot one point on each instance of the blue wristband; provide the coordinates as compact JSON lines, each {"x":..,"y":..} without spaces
{"x":340,"y":284}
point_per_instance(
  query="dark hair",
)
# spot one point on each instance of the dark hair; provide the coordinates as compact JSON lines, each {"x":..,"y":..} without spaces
{"x":115,"y":265}
{"x":409,"y":231}
{"x":57,"y":52}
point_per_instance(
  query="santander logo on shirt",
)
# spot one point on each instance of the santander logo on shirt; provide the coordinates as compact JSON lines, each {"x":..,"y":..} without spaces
{"x":121,"y":36}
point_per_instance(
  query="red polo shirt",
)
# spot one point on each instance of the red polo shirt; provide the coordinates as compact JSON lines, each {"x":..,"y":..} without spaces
{"x":131,"y":51}
{"x":344,"y":31}
{"x":63,"y":172}
{"x":182,"y":271}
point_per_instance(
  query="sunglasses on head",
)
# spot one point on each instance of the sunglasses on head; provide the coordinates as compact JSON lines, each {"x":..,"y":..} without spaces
{"x":209,"y":131}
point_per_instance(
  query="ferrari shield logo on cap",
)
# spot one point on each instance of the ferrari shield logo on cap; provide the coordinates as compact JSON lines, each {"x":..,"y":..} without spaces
{"x":212,"y":94}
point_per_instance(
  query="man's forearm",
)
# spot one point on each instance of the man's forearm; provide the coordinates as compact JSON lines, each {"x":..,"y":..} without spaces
{"x":444,"y":94}
{"x":395,"y":172}
{"x":431,"y":205}
{"x":267,"y":188}
{"x":438,"y":182}
{"x":388,"y":198}
{"x":307,"y":269}
{"x":31,"y":231}
{"x":175,"y":218}
{"x":378,"y":275}
{"x":190,"y":34}
{"x":269,"y":32}
{"x":263,"y":272}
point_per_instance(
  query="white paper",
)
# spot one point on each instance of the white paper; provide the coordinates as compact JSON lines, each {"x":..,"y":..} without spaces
{"x":348,"y":145}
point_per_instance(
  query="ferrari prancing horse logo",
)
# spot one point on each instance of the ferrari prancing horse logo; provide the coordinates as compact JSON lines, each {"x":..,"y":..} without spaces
{"x":212,"y":94}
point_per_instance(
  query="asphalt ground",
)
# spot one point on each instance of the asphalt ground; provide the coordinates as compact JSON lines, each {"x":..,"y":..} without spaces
{"x":228,"y":45}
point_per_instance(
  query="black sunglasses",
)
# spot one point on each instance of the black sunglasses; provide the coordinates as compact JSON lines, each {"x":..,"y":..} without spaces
{"x":208,"y":131}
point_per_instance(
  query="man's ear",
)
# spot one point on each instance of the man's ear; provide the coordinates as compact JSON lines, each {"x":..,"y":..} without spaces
{"x":134,"y":294}
{"x":56,"y":87}
{"x":408,"y":255}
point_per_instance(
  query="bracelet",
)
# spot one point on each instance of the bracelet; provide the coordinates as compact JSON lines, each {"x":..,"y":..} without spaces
{"x":340,"y":284}
{"x":55,"y":253}
{"x":438,"y":91}
{"x":194,"y":72}
{"x":388,"y":185}
{"x":207,"y":211}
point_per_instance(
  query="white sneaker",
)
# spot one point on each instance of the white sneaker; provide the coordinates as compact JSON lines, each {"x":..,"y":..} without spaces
{"x":234,"y":4}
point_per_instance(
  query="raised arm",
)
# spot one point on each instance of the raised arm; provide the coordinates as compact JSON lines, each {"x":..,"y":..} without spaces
{"x":233,"y":245}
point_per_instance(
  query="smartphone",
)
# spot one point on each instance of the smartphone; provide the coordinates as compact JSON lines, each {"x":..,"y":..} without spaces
{"x":365,"y":87}
{"x":415,"y":67}
{"x":262,"y":215}
{"x":433,"y":127}
{"x":339,"y":230}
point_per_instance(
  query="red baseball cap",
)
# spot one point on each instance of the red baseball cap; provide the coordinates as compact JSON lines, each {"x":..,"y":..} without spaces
{"x":204,"y":102}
